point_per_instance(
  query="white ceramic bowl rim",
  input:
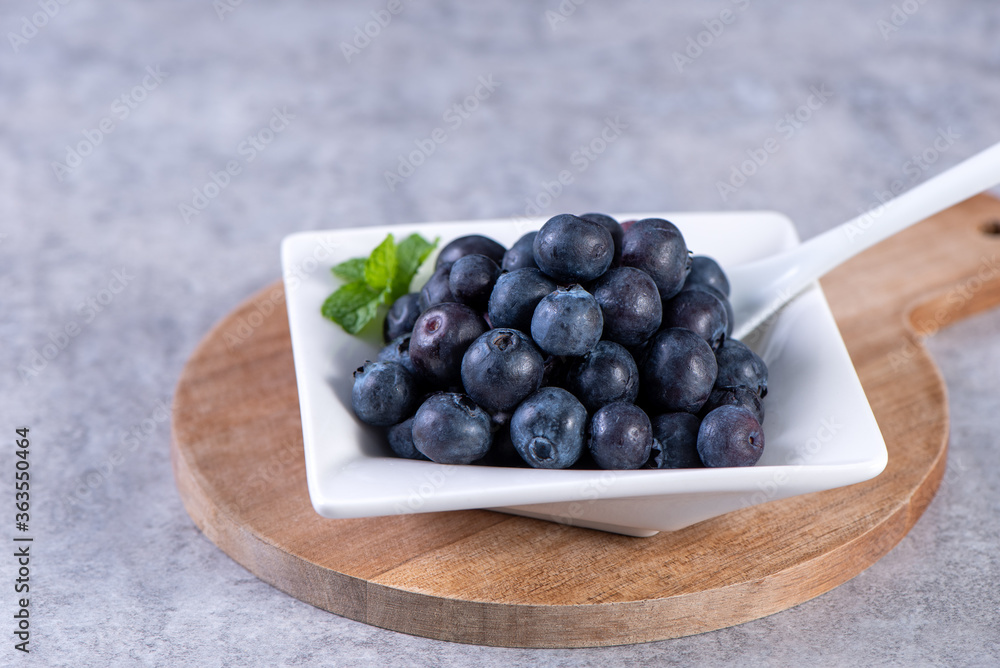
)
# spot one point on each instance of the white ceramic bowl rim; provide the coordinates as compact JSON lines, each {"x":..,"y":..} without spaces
{"x":819,"y":429}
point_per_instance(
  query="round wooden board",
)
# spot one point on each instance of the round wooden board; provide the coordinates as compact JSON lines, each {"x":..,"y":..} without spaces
{"x":494,"y":579}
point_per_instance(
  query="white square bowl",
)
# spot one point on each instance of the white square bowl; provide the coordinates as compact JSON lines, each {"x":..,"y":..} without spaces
{"x":819,"y":429}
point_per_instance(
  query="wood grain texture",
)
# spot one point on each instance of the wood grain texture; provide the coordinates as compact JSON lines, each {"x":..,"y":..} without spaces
{"x":493,"y":579}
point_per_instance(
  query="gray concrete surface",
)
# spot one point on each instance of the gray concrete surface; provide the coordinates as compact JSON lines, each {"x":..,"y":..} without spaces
{"x":120,"y":575}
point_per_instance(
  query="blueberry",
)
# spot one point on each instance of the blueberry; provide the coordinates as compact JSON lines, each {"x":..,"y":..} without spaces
{"x":440,"y":338}
{"x":612,"y":226}
{"x":730,"y":436}
{"x":548,"y":429}
{"x":473,"y":243}
{"x":501,"y":368}
{"x":515,"y":296}
{"x":472,"y":279}
{"x":706,"y":271}
{"x":738,"y":365}
{"x":567,"y":322}
{"x":605,"y":375}
{"x":521,"y":254}
{"x":384,"y":393}
{"x":639,"y":352}
{"x":730,"y":318}
{"x":675,"y":444}
{"x":502,"y":452}
{"x":699,"y":311}
{"x":449,"y":428}
{"x":437,"y":289}
{"x":401,"y":316}
{"x":630,"y":303}
{"x":398,"y":351}
{"x":401,"y":440}
{"x":741,"y":396}
{"x":555,"y":370}
{"x":621,"y":436}
{"x":573,"y":250}
{"x":678,"y":372}
{"x":657,"y":247}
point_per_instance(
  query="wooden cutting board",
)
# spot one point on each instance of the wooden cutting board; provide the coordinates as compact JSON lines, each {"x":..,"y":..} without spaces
{"x":494,"y":579}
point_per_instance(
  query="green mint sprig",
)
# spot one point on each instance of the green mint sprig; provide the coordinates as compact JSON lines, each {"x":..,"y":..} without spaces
{"x":381,"y":278}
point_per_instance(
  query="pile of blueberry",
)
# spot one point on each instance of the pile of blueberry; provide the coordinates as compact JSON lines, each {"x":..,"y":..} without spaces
{"x":587,"y":343}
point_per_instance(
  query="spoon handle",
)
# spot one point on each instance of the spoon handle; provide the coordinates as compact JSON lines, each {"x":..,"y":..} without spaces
{"x":778,"y":278}
{"x":964,"y":180}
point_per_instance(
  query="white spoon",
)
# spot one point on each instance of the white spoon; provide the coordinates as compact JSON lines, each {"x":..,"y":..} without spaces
{"x":760,"y":288}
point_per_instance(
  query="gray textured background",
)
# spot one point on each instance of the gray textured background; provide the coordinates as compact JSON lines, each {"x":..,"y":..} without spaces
{"x":120,"y":574}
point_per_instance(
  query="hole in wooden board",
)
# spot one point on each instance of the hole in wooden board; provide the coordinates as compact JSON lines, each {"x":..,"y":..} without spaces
{"x":991,"y":228}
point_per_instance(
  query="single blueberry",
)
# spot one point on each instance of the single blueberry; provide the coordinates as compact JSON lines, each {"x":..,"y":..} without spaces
{"x":501,"y":368}
{"x":472,"y":278}
{"x":502,"y":452}
{"x":605,"y":375}
{"x":730,"y":436}
{"x":437,"y":289}
{"x":384,"y":393}
{"x":621,"y":436}
{"x":440,"y":338}
{"x":521,"y":254}
{"x":639,"y":352}
{"x":401,"y":440}
{"x":730,"y":318}
{"x":548,"y":429}
{"x":657,"y":247}
{"x":706,"y":271}
{"x":401,"y":316}
{"x":741,"y":396}
{"x":467,"y":245}
{"x":738,"y":365}
{"x":449,"y":428}
{"x":612,"y":226}
{"x":699,"y":311}
{"x":555,"y":370}
{"x":630,"y":303}
{"x":678,"y":372}
{"x":573,"y":250}
{"x":515,"y":296}
{"x":500,"y":419}
{"x":675,"y":441}
{"x":398,"y":351}
{"x":567,"y":322}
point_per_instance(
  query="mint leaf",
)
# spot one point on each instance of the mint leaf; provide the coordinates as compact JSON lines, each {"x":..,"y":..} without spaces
{"x":380,"y":268}
{"x":410,"y":254}
{"x":381,"y":278}
{"x":351,"y":270}
{"x":352,"y":306}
